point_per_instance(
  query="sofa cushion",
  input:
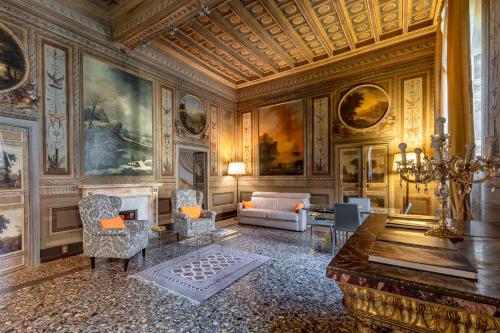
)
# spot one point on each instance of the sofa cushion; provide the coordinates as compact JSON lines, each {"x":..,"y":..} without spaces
{"x":264,"y":203}
{"x":254,"y":212}
{"x":286,"y":204}
{"x":283,"y":215}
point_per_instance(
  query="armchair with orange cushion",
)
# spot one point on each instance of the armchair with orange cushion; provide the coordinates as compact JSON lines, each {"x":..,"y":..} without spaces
{"x":188,"y":217}
{"x":105,"y":236}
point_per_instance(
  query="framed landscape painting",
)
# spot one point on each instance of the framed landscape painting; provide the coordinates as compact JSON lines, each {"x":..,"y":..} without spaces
{"x":363,"y":107}
{"x":11,"y":167}
{"x":118,"y":121}
{"x":281,"y":139}
{"x":11,"y":230}
{"x":192,"y":115}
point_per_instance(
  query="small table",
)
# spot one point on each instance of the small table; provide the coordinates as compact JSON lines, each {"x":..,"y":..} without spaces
{"x":161,"y":229}
{"x":322,"y":217}
{"x":220,"y":235}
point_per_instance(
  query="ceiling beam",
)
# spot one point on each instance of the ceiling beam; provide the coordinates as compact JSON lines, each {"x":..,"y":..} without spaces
{"x":228,"y":29}
{"x":376,"y":28}
{"x":209,"y":36}
{"x":287,"y":28}
{"x":343,"y":23}
{"x":195,"y":45}
{"x":170,"y":48}
{"x":258,"y":30}
{"x":313,"y":21}
{"x":405,"y":12}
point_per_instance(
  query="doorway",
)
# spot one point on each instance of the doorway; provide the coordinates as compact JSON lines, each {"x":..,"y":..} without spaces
{"x":193,"y":172}
{"x":363,"y":172}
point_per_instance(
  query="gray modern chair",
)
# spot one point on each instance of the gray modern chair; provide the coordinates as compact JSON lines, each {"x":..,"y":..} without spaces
{"x":184,"y":225}
{"x":347,"y":219}
{"x":407,"y":209}
{"x":110,"y":243}
{"x":363,"y":203}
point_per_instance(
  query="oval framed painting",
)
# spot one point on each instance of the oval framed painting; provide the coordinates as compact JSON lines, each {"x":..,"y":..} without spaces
{"x":363,"y":107}
{"x":192,"y":115}
{"x":13,"y":61}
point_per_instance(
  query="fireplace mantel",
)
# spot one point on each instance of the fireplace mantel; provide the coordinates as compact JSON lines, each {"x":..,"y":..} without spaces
{"x":129,"y":193}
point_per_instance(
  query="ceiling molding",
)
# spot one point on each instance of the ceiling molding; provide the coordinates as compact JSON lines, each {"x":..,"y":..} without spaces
{"x":313,"y":21}
{"x":422,"y":45}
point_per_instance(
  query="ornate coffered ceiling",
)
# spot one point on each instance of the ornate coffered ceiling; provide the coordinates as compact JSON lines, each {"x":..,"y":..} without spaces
{"x":242,"y":42}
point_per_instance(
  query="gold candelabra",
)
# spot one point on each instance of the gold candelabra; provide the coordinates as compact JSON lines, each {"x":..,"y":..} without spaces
{"x":444,"y":168}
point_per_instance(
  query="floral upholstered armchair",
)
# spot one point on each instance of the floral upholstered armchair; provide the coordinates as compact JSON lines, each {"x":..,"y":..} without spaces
{"x":183,"y":224}
{"x":110,"y":243}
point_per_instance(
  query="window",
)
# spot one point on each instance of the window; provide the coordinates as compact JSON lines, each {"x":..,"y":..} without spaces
{"x":475,"y":24}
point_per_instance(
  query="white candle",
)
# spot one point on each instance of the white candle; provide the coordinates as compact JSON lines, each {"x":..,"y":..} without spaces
{"x":439,"y":130}
{"x":488,"y":147}
{"x":402,"y":148}
{"x":436,"y":146}
{"x":418,"y":153}
{"x":469,"y":152}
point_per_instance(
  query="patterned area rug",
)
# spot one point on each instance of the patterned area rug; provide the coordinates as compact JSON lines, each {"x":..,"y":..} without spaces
{"x":201,"y":274}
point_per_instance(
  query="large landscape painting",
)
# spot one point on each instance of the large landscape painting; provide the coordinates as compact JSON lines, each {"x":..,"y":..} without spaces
{"x":118,"y":121}
{"x":363,"y":107}
{"x":13,"y":66}
{"x":281,"y":139}
{"x":11,"y":230}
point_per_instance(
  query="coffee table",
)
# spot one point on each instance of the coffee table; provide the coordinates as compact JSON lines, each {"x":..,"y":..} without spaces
{"x":322,"y":217}
{"x":220,"y":235}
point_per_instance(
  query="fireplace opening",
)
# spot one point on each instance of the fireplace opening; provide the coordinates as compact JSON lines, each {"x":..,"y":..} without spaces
{"x":128,"y":215}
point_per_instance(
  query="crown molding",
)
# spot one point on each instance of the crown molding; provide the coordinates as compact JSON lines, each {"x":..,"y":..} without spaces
{"x":424,"y":46}
{"x":52,"y":18}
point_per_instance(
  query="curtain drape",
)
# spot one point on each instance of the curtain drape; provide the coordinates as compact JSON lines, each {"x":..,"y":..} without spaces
{"x":460,"y":117}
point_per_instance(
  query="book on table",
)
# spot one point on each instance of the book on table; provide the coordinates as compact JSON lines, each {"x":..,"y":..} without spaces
{"x":416,"y":251}
{"x":417,"y":222}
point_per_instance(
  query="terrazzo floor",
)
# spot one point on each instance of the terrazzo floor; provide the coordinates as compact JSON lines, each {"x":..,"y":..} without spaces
{"x":289,"y":293}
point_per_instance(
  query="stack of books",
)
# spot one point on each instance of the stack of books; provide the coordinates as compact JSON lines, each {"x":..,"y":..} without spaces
{"x":417,"y":222}
{"x":412,"y":249}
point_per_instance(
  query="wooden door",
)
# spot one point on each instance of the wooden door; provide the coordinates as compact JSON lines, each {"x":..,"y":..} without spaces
{"x":14,"y":199}
{"x":350,"y":172}
{"x":375,"y":175}
{"x":200,"y":179}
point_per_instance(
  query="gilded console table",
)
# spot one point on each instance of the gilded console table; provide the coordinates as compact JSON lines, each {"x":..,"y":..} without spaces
{"x":386,"y":298}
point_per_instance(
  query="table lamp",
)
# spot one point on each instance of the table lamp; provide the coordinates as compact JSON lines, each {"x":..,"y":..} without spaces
{"x":236,"y":169}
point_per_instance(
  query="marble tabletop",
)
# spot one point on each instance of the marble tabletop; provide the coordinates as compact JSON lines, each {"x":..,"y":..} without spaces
{"x":481,"y":245}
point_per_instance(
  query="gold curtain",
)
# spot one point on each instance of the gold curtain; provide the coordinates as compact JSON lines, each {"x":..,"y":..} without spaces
{"x":460,"y":118}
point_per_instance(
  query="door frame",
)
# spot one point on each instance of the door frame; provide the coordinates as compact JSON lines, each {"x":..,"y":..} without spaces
{"x":178,"y":147}
{"x":33,"y":130}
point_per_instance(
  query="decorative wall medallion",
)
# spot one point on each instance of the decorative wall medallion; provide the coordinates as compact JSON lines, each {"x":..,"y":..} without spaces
{"x":55,"y":87}
{"x":246,"y":129}
{"x":167,"y":144}
{"x":13,"y":61}
{"x":413,"y":111}
{"x":321,"y":137}
{"x":363,"y":107}
{"x":281,"y":139}
{"x":214,"y":136}
{"x":118,"y":110}
{"x":192,"y":115}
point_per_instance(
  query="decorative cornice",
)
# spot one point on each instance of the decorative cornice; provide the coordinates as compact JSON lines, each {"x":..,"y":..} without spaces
{"x":48,"y":21}
{"x":415,"y":48}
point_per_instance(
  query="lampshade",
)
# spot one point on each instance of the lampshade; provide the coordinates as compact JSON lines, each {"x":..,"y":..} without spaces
{"x":236,"y":168}
{"x":397,"y":158}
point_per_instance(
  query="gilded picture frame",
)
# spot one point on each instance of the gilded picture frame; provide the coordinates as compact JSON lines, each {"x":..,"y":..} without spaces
{"x":13,"y":40}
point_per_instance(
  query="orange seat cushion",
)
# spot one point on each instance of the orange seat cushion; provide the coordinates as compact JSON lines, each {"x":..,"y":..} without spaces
{"x":112,"y":223}
{"x":193,"y":212}
{"x":248,"y":204}
{"x":298,"y":206}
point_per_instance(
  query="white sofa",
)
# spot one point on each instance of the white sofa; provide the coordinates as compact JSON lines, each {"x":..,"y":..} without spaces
{"x":275,"y":210}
